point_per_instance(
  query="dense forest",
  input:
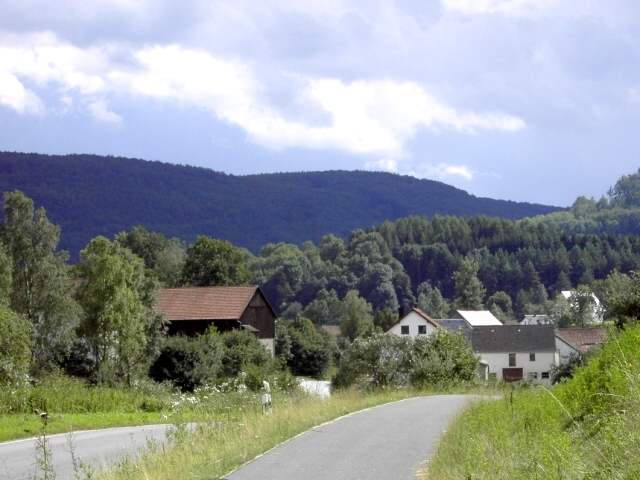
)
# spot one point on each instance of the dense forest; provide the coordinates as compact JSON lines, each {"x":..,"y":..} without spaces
{"x":511,"y":267}
{"x":90,"y":195}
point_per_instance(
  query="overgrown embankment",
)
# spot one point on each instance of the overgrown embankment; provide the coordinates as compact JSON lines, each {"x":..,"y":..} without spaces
{"x":586,"y":428}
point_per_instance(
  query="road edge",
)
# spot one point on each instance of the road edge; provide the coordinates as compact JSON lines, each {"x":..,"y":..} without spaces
{"x":328,"y":422}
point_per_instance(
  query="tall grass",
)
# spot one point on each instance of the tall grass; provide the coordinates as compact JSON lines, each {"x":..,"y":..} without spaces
{"x":59,"y":394}
{"x":586,"y":428}
{"x":222,"y":443}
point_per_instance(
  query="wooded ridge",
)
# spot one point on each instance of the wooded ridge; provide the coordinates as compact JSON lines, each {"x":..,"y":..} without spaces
{"x":89,"y":195}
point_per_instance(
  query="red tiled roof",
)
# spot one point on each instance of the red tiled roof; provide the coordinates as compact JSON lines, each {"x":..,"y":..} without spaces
{"x":583,"y":339}
{"x":204,"y":303}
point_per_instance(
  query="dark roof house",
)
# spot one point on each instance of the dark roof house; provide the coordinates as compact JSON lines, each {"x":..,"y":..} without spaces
{"x":455,"y":325}
{"x":513,"y":338}
{"x":583,"y":339}
{"x":192,"y":310}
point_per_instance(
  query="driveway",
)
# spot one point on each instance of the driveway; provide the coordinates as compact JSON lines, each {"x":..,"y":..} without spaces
{"x":98,"y":448}
{"x":388,"y":442}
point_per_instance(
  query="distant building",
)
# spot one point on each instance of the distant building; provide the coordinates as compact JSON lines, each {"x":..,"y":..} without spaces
{"x":537,"y":320}
{"x":479,"y":318}
{"x":516,"y":352}
{"x":455,"y":325}
{"x":414,"y":324}
{"x":575,"y":341}
{"x":191,"y":310}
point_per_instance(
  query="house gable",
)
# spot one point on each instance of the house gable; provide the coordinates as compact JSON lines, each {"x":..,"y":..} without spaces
{"x":412,"y":322}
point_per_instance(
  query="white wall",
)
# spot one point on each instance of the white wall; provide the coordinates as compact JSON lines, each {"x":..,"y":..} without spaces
{"x":564,"y":350}
{"x":544,"y":362}
{"x":413,"y":320}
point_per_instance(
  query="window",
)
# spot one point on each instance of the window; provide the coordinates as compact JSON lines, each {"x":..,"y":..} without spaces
{"x":404,"y":329}
{"x":532,"y":375}
{"x":422,"y":329}
{"x":545,"y":375}
{"x":532,"y":357}
{"x":512,"y":359}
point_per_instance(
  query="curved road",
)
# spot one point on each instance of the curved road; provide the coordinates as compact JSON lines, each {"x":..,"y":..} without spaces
{"x":389,"y":442}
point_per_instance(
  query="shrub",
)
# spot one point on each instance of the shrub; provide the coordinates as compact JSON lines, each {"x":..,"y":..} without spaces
{"x":379,"y":360}
{"x":442,"y":357}
{"x":241,"y":349}
{"x":189,"y":362}
{"x":311,"y":349}
{"x":15,"y":347}
{"x":384,"y":360}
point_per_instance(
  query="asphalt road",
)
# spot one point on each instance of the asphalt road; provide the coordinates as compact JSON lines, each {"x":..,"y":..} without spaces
{"x":97,"y":448}
{"x":389,"y":442}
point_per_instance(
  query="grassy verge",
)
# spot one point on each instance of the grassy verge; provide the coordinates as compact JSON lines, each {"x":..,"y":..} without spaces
{"x":73,"y":405}
{"x":224,"y":443}
{"x":587,"y":428}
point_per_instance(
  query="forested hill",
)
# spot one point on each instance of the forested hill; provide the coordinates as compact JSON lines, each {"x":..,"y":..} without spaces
{"x":89,"y":195}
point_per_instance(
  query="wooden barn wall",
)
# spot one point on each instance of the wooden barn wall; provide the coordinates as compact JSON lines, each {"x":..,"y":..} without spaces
{"x":259,"y":315}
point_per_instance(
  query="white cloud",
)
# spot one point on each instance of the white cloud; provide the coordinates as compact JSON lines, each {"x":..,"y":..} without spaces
{"x":14,"y":95}
{"x":373,"y":117}
{"x":516,"y":8}
{"x":366,"y":117}
{"x":384,"y":164}
{"x":101,"y":112}
{"x":443,"y":171}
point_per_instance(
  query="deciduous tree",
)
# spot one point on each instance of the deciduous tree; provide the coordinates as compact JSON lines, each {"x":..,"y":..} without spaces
{"x":116,"y":296}
{"x":469,"y":289}
{"x":211,"y":261}
{"x":41,"y":284}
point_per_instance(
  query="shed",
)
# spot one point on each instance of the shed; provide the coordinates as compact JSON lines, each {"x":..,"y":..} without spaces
{"x":191,"y":310}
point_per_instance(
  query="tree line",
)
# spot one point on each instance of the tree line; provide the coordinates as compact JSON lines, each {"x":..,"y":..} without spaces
{"x":96,"y":317}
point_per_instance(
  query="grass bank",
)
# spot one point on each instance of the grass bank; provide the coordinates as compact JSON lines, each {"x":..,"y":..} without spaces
{"x":586,"y":428}
{"x":72,"y":404}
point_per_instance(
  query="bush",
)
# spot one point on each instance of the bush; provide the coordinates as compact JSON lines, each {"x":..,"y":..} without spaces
{"x":384,"y":360}
{"x":15,"y":347}
{"x":442,"y":358}
{"x":311,"y":349}
{"x":380,"y":360}
{"x":241,"y":349}
{"x":79,"y":361}
{"x":188,"y":362}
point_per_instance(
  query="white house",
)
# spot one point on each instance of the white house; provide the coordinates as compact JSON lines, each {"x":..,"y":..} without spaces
{"x":597,"y":314}
{"x":414,"y":324}
{"x":479,"y":318}
{"x":516,"y":352}
{"x":566,"y":350}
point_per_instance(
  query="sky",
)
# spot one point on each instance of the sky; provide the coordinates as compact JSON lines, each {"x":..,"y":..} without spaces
{"x":531,"y":100}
